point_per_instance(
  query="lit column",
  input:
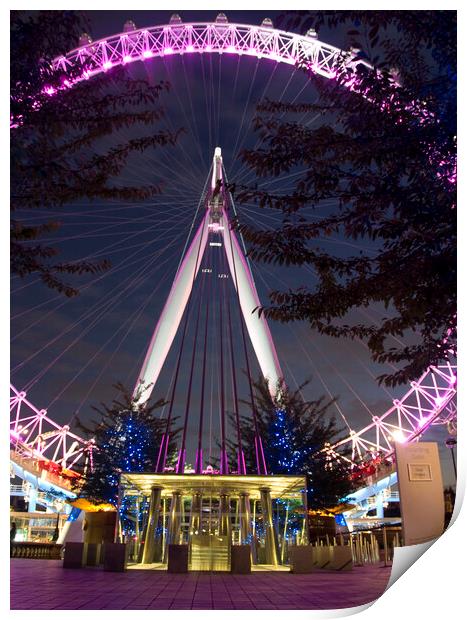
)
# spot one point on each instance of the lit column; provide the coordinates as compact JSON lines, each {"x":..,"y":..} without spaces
{"x":305,"y":528}
{"x":118,"y":523}
{"x":245,"y":519}
{"x":246,"y":537}
{"x":175,"y":518}
{"x":270,"y":534}
{"x":153,"y":518}
{"x":224,"y":515}
{"x":195,"y":519}
{"x":137,"y":530}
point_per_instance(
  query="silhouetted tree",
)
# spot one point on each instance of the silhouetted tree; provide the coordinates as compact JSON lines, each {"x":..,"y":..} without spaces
{"x":381,"y":167}
{"x":62,"y":150}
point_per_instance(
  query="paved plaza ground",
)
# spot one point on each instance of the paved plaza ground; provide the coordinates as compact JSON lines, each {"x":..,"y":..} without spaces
{"x":44,"y":584}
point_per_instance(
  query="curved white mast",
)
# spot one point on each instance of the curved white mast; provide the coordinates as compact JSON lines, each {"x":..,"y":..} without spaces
{"x":215,"y":220}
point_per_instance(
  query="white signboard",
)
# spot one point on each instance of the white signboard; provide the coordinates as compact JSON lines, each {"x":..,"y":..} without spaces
{"x":420,"y":491}
{"x":419,"y":472}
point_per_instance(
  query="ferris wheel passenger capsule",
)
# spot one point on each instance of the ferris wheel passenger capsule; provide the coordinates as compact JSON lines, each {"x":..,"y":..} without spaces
{"x":267,"y":23}
{"x":175,"y":19}
{"x":221,"y":19}
{"x":84,"y":39}
{"x":129,"y":26}
{"x":312,"y":34}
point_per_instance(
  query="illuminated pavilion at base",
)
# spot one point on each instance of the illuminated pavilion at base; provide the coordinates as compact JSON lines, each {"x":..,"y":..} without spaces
{"x":212,"y":513}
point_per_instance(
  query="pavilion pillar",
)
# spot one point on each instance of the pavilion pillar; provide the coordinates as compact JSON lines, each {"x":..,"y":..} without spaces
{"x":246,"y":535}
{"x":245,"y":519}
{"x":224,"y":515}
{"x":153,"y":518}
{"x":270,"y":533}
{"x":175,"y":519}
{"x":137,"y":530}
{"x":195,"y":519}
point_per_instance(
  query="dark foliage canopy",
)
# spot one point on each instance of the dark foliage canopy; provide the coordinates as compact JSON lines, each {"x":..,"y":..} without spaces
{"x":127,"y":438}
{"x":294,"y":432}
{"x":62,"y":145}
{"x":384,"y":157}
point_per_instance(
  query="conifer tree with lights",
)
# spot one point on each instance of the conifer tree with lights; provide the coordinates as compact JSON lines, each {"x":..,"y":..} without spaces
{"x":294,"y":433}
{"x":127,"y":436}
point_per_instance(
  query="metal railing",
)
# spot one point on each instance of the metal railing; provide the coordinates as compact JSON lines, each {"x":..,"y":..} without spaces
{"x":370,"y":546}
{"x":32,"y":550}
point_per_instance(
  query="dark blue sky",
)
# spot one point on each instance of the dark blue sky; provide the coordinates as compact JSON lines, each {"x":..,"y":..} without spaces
{"x":70,"y":352}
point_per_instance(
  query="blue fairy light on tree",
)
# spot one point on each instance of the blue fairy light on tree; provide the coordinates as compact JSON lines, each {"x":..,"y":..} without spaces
{"x":126,"y":437}
{"x":282,"y":452}
{"x":295,"y":433}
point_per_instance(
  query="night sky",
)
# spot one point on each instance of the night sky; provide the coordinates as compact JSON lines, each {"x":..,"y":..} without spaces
{"x":67,"y":353}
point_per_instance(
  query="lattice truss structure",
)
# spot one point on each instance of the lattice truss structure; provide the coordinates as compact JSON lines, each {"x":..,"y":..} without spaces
{"x":219,"y":37}
{"x":430,"y":401}
{"x":33,"y":434}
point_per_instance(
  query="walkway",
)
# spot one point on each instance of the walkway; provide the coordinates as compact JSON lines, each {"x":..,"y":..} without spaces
{"x":44,"y":584}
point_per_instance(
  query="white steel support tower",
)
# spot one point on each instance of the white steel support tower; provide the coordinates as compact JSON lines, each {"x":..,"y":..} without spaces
{"x":215,"y":220}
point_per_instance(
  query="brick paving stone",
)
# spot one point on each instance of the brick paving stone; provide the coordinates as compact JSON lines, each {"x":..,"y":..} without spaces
{"x":44,"y":584}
